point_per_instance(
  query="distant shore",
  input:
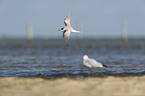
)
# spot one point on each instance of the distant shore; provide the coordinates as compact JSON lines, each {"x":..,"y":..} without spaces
{"x":73,"y":85}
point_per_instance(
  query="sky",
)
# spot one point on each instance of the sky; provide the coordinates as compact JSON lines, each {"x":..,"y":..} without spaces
{"x":99,"y":18}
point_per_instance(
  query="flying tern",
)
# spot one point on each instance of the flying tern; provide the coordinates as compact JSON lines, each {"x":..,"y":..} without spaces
{"x":91,"y":63}
{"x":67,"y":29}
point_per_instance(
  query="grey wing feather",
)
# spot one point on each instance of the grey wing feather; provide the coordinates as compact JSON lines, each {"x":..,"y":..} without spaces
{"x":66,"y":35}
{"x":86,"y":63}
{"x":67,"y":20}
{"x":93,"y":62}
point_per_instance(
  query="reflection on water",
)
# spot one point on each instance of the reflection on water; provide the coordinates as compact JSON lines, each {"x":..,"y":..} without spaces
{"x":22,"y":59}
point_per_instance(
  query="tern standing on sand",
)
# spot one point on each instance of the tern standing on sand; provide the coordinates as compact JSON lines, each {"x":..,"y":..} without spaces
{"x":67,"y":29}
{"x":91,"y":63}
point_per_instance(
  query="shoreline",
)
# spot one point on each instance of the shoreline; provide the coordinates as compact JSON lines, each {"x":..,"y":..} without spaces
{"x":76,"y":85}
{"x":81,"y":75}
{"x":93,"y":86}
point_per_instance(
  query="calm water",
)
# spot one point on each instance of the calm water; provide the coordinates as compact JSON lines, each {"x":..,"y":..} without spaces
{"x":19,"y":58}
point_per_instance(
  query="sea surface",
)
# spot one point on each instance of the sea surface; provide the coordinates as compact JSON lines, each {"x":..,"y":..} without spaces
{"x":51,"y":57}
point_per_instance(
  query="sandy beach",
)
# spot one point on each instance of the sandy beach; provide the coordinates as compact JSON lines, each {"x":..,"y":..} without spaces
{"x":90,"y":86}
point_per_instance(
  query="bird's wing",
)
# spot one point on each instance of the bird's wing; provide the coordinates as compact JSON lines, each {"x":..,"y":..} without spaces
{"x":87,"y":64}
{"x":66,"y":35}
{"x":93,"y":63}
{"x":67,"y":20}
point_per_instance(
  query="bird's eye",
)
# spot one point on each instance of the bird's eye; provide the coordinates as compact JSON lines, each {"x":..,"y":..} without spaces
{"x":62,"y":28}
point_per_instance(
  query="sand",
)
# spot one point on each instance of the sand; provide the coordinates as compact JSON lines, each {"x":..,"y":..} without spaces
{"x":90,"y":86}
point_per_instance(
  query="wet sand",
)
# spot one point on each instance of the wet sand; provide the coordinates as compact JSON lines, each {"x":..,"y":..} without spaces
{"x":73,"y":86}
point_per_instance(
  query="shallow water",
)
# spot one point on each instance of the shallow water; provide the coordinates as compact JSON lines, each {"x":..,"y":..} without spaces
{"x":20,"y":58}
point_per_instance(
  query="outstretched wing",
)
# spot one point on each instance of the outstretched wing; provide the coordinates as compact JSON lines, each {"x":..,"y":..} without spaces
{"x":66,"y":35}
{"x":67,"y":20}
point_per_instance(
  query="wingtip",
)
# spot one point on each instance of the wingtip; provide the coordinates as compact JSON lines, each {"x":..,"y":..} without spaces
{"x":70,"y":13}
{"x":104,"y":65}
{"x":67,"y":44}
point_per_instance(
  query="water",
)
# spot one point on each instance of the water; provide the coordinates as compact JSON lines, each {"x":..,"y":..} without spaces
{"x":20,"y":58}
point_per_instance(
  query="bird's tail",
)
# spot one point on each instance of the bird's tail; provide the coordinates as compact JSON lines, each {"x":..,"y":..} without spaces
{"x":75,"y":31}
{"x":105,"y":65}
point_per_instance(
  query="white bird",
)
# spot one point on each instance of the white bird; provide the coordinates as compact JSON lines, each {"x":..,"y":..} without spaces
{"x":91,"y":63}
{"x":67,"y":29}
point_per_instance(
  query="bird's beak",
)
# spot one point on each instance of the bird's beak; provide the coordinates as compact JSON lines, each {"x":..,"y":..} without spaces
{"x":59,"y":30}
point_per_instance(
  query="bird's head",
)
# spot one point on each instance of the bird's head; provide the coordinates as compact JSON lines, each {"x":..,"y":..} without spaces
{"x":85,"y":57}
{"x":62,"y":29}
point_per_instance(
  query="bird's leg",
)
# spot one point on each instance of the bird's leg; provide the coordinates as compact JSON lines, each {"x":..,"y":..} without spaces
{"x":89,"y":72}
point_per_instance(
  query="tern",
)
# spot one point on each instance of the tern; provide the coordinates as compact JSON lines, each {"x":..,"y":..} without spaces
{"x":67,"y":29}
{"x":91,"y":63}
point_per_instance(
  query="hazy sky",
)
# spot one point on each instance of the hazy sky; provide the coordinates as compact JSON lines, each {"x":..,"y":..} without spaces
{"x":100,"y":18}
